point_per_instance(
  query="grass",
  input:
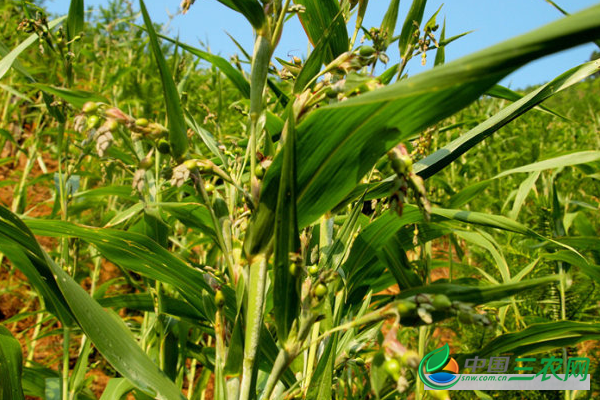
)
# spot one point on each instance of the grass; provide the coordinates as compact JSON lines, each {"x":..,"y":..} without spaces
{"x":202,"y":228}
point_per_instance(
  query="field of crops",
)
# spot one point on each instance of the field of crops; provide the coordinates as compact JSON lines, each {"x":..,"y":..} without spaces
{"x":178,"y":225}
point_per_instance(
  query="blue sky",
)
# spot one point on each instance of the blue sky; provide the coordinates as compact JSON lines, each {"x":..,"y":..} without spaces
{"x":491,"y":20}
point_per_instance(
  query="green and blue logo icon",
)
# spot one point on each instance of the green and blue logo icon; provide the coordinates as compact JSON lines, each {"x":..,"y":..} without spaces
{"x":442,"y":368}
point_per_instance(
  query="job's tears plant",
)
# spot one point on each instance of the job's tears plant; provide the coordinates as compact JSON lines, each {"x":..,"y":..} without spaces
{"x":277,"y":228}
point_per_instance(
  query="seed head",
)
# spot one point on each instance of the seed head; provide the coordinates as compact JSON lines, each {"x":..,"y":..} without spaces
{"x":180,"y":174}
{"x":104,"y":140}
{"x":139,"y":180}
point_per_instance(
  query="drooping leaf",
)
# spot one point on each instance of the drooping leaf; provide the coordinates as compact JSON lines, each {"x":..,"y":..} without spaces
{"x":109,"y":335}
{"x":134,"y":252}
{"x":317,"y":57}
{"x":540,"y":338}
{"x":361,"y":129}
{"x":447,"y":154}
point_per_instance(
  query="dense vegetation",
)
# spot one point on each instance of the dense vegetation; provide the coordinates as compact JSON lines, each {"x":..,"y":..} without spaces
{"x":188,"y":226}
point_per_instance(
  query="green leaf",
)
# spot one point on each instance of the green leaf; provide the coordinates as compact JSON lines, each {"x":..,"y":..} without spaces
{"x":447,"y":154}
{"x":177,"y":128}
{"x":415,"y":14}
{"x":76,"y":97}
{"x":438,"y":358}
{"x":501,"y":92}
{"x":321,"y":382}
{"x":339,"y":143}
{"x":75,"y":19}
{"x":319,"y":15}
{"x":109,"y":335}
{"x":251,"y":9}
{"x":524,"y":189}
{"x":193,"y":215}
{"x":7,"y":61}
{"x":389,"y":20}
{"x":116,"y":389}
{"x":114,"y":341}
{"x":581,"y":157}
{"x":22,"y":249}
{"x":134,"y":252}
{"x":440,"y":53}
{"x":285,"y":284}
{"x":11,"y":366}
{"x":207,"y":137}
{"x":540,"y":338}
{"x":317,"y":57}
{"x":226,"y":68}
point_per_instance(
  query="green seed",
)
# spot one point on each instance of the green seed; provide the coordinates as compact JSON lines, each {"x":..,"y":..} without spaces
{"x":359,"y":361}
{"x":93,"y":121}
{"x":313,"y":269}
{"x":90,"y":107}
{"x":406,"y":307}
{"x":141,"y":122}
{"x":441,"y":302}
{"x":219,"y":298}
{"x":163,"y":146}
{"x":320,"y":291}
{"x":191,"y":164}
{"x":294,"y":269}
{"x":209,"y":187}
{"x":259,"y":171}
{"x":393,"y":368}
{"x":366,"y":51}
{"x":146,"y":163}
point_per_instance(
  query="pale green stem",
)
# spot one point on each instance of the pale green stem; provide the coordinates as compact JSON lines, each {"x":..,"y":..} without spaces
{"x":420,"y":389}
{"x":218,"y":226}
{"x":254,"y":318}
{"x":312,"y":353}
{"x":258,"y":80}
{"x":36,"y":332}
{"x":20,"y":190}
{"x":359,"y":20}
{"x":286,"y":356}
{"x":65,"y":362}
{"x":279,"y":25}
{"x":325,"y":240}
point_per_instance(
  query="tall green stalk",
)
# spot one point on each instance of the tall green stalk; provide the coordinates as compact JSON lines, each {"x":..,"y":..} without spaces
{"x":254,"y":318}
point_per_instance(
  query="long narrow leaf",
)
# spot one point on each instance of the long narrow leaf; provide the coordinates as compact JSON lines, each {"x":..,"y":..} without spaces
{"x":11,"y":366}
{"x":344,"y":140}
{"x":285,"y":284}
{"x":177,"y":127}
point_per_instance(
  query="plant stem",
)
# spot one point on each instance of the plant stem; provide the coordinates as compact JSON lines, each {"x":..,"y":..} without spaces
{"x":65,"y":362}
{"x":420,"y":389}
{"x":279,"y":24}
{"x":254,"y":317}
{"x":258,"y":79}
